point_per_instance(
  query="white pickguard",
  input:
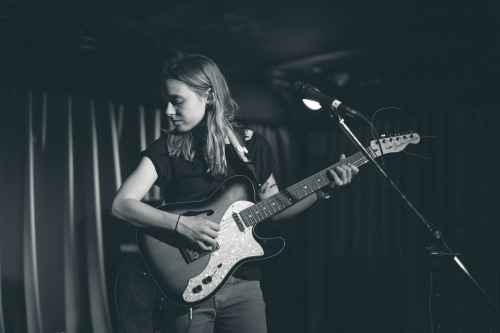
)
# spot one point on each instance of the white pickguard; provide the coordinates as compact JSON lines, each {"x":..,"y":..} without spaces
{"x":234,"y":245}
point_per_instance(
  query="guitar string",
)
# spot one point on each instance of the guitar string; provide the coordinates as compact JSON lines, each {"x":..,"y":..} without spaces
{"x":303,"y":185}
{"x":357,"y":159}
{"x":267,"y":208}
{"x":262,"y":208}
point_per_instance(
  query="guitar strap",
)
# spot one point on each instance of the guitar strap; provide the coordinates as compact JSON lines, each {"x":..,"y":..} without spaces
{"x":239,"y":147}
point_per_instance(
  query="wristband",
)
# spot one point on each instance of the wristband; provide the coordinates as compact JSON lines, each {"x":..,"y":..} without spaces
{"x":177,"y":223}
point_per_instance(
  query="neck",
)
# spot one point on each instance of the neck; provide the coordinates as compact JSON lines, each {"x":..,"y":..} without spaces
{"x":200,"y":132}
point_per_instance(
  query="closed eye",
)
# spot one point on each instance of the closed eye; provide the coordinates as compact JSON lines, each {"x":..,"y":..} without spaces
{"x":175,"y":100}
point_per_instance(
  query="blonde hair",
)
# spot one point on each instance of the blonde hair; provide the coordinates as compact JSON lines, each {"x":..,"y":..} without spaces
{"x":202,"y":75}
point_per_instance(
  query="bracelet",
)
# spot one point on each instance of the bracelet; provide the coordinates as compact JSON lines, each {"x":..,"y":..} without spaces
{"x":177,"y":223}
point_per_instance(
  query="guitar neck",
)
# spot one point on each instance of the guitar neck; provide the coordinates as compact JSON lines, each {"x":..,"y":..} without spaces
{"x":274,"y":204}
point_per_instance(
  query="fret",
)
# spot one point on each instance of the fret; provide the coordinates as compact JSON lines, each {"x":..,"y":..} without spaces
{"x":249,"y":216}
{"x":304,"y":188}
{"x":288,"y":197}
{"x":361,"y":159}
{"x":251,"y":213}
{"x":264,"y":209}
{"x":358,"y":162}
{"x":245,"y":218}
{"x":283,"y":199}
{"x":316,"y":180}
{"x":279,"y":201}
{"x":294,"y":193}
{"x":273,"y":204}
{"x":309,"y":189}
{"x":257,"y":214}
{"x":358,"y":159}
{"x":270,"y":206}
{"x":325,"y":179}
{"x":319,"y":180}
{"x":296,"y":190}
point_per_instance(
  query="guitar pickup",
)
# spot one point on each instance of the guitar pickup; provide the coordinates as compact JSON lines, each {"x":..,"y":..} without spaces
{"x":238,"y":221}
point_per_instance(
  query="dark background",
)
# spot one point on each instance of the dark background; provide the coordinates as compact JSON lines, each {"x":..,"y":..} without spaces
{"x":395,"y":51}
{"x":355,"y":263}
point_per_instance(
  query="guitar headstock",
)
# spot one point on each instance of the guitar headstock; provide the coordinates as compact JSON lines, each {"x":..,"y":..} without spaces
{"x":393,"y":144}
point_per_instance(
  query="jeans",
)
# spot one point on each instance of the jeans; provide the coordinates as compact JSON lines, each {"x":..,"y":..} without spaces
{"x":237,"y":308}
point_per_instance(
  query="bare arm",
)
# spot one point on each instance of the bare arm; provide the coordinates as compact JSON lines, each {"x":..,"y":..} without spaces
{"x":128,"y":206}
{"x":340,"y":176}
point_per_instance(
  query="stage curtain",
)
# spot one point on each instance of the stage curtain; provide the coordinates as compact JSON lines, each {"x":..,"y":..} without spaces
{"x":358,"y":262}
{"x":354,"y":263}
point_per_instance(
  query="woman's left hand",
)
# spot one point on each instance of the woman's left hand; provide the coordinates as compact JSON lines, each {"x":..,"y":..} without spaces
{"x":339,"y":176}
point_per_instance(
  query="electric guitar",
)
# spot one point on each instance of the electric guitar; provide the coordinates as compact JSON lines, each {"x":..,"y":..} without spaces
{"x":188,"y":276}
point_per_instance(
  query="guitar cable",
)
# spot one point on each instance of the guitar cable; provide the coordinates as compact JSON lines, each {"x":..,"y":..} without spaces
{"x":115,"y":295}
{"x":114,"y":292}
{"x":190,"y":319}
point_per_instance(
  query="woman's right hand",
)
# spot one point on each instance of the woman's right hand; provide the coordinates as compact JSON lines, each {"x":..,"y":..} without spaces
{"x":200,"y":231}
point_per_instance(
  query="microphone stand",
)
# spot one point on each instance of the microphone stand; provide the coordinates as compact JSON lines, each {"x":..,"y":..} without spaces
{"x":438,"y":248}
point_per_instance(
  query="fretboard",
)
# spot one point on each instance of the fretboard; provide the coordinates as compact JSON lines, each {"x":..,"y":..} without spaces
{"x":274,"y":204}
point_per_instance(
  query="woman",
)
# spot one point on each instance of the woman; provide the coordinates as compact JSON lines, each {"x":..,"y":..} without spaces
{"x":189,"y":162}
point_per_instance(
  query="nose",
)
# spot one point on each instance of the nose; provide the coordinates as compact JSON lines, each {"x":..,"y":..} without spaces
{"x":170,"y":109}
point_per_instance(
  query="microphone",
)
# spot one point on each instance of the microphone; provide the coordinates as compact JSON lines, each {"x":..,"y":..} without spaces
{"x":306,"y":91}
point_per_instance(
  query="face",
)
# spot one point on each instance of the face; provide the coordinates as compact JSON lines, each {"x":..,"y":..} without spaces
{"x":185,"y":108}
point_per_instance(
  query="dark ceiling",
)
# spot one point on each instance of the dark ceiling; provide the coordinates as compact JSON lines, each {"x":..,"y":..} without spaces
{"x":354,"y":48}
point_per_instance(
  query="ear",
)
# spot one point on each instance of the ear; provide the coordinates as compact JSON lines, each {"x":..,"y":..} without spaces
{"x":210,"y":96}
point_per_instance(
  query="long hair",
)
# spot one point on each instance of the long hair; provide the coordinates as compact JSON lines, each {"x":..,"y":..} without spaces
{"x":201,"y":74}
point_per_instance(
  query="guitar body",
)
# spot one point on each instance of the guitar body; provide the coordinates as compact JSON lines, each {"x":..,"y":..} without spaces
{"x":189,"y":277}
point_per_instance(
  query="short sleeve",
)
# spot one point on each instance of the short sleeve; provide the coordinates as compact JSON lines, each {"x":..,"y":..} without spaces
{"x":261,"y":155}
{"x":157,"y":153}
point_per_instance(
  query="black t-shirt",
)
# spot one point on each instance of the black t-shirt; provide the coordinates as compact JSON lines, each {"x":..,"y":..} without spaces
{"x":184,"y":181}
